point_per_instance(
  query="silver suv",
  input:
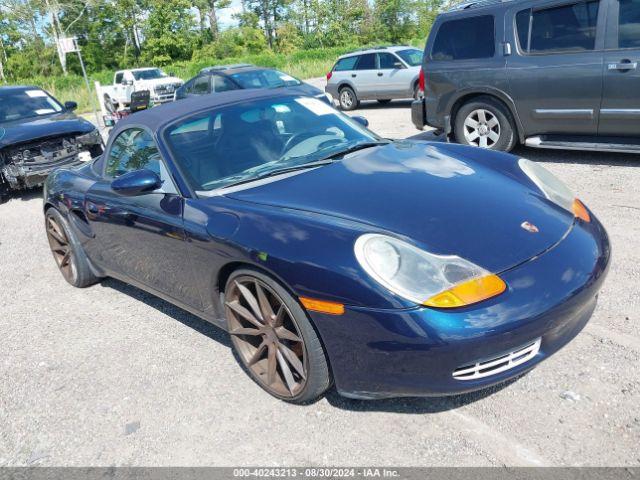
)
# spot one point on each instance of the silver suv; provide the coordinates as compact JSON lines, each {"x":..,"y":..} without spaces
{"x":378,"y":73}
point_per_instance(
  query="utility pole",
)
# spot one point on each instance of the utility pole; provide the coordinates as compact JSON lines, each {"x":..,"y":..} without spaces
{"x":55,"y":24}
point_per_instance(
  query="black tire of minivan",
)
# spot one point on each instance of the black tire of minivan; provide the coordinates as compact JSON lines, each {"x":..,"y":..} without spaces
{"x":345,"y":94}
{"x":507,"y":138}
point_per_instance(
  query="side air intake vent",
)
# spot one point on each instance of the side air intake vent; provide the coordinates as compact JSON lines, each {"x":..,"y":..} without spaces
{"x":493,"y":366}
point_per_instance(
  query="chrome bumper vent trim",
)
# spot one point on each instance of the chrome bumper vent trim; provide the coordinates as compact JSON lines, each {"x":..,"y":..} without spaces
{"x":493,"y":366}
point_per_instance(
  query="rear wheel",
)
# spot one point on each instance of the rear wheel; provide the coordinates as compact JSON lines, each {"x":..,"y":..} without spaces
{"x":348,"y":99}
{"x":67,"y":252}
{"x":486,"y":123}
{"x":273,"y":338}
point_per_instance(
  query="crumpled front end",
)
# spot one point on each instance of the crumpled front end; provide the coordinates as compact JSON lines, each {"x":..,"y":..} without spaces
{"x":28,"y":164}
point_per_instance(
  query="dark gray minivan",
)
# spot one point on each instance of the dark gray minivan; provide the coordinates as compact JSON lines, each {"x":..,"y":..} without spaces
{"x":545,"y":73}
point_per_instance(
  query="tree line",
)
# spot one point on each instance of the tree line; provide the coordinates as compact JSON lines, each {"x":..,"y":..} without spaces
{"x":123,"y":33}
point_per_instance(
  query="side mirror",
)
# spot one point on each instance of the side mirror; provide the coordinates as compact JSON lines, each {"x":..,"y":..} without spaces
{"x":71,"y":106}
{"x":127,"y":83}
{"x":136,"y":183}
{"x":398,"y":65}
{"x":361,"y":120}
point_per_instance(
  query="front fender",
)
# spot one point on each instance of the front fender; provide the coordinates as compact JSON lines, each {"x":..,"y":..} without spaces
{"x":312,"y":254}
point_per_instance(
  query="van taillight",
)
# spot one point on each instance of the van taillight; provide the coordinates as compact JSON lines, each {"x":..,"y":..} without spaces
{"x":329,"y":76}
{"x":421,"y":81}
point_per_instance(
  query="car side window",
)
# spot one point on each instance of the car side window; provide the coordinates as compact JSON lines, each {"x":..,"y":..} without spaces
{"x":366,"y":62}
{"x":200,"y":85}
{"x":567,"y":28}
{"x":347,"y":63}
{"x":629,"y":24}
{"x":477,"y":41}
{"x":387,"y":61}
{"x":119,"y":77}
{"x":221,"y":84}
{"x":133,"y":149}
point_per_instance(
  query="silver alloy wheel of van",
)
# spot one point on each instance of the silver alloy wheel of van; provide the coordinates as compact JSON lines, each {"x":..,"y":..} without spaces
{"x":482,"y":128}
{"x":346,"y":98}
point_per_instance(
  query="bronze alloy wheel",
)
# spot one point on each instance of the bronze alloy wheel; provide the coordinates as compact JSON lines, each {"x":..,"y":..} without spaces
{"x":266,"y":336}
{"x":61,"y":249}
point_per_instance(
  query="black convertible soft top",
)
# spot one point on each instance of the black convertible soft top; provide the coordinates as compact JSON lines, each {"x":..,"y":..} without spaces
{"x":156,"y":117}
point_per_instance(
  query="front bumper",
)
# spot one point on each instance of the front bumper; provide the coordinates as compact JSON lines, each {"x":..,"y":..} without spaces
{"x":31,"y":175}
{"x":163,"y":98}
{"x":387,"y":353}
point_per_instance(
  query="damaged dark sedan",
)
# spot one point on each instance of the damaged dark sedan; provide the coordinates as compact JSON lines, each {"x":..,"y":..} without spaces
{"x":39,"y":134}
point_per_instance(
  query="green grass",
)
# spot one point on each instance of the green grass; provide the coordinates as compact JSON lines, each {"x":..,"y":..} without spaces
{"x":302,"y":64}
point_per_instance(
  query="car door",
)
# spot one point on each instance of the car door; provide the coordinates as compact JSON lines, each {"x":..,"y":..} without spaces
{"x":555,"y":69}
{"x":140,"y":237}
{"x":620,"y":110}
{"x":365,"y":76}
{"x":394,"y":78}
{"x":342,"y":71}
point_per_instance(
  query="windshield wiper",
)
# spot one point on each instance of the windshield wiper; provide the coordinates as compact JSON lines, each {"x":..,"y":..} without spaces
{"x":279,"y":171}
{"x":355,"y":148}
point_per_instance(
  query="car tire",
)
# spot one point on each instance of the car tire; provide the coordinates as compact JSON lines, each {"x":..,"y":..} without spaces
{"x":248,"y":335}
{"x":348,"y":99}
{"x":4,"y":190}
{"x":384,"y":101}
{"x":67,"y":251}
{"x":487,"y":123}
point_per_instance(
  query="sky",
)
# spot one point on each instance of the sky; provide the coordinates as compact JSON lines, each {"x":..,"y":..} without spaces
{"x":225,"y":19}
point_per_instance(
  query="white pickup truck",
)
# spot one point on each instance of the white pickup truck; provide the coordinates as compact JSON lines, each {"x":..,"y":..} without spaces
{"x":160,"y":85}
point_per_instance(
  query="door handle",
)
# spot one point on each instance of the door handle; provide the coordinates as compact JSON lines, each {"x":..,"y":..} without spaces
{"x":623,"y":65}
{"x":380,"y":74}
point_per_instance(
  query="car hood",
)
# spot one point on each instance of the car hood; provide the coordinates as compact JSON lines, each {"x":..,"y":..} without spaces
{"x":29,"y":129}
{"x":159,"y":81}
{"x":445,"y":203}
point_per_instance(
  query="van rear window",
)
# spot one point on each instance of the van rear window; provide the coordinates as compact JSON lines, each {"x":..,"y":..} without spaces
{"x":347,"y":63}
{"x":566,"y":28}
{"x":465,"y":39}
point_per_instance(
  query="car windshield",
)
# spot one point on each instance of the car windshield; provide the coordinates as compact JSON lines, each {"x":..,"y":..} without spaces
{"x":245,"y":142}
{"x":148,"y":74}
{"x":265,"y":79}
{"x":26,"y":104}
{"x":412,"y":56}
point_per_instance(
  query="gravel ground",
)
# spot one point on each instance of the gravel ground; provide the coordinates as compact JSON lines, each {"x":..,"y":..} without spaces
{"x":110,"y":375}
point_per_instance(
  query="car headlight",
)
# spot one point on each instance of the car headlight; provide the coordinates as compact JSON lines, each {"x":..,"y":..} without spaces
{"x":91,"y":138}
{"x":443,"y":281}
{"x":554,"y":189}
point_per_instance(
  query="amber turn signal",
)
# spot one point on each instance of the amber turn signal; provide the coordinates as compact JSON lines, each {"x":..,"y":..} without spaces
{"x":580,"y":211}
{"x":469,"y":292}
{"x":323,"y":306}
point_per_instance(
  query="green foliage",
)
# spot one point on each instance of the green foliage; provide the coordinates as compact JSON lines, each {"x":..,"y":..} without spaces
{"x":288,"y":38}
{"x":168,"y":31}
{"x":300,"y":37}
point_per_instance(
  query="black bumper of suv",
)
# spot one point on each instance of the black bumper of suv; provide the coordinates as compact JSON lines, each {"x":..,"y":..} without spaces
{"x":419,"y":113}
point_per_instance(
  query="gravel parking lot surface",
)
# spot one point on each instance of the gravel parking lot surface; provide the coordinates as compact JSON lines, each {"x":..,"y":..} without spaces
{"x":110,"y":375}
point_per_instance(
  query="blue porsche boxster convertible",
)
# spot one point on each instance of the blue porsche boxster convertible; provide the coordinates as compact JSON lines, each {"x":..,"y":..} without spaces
{"x":391,"y":268}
